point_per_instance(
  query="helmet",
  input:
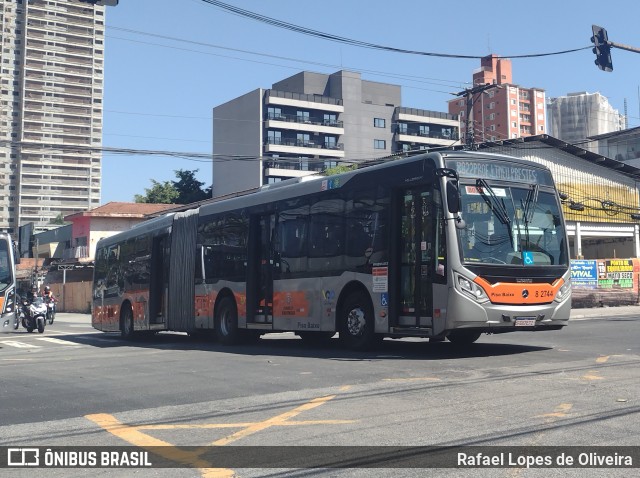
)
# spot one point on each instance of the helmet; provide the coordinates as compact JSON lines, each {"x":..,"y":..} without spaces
{"x":47,"y":288}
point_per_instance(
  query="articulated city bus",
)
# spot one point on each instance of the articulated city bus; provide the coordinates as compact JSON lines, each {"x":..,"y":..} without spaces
{"x":441,"y":245}
{"x":7,"y":284}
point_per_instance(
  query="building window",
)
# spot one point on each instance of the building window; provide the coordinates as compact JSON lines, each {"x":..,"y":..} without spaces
{"x":302,"y":139}
{"x":330,"y":119}
{"x":330,"y":142}
{"x":423,"y":130}
{"x":274,"y":113}
{"x":492,"y":105}
{"x":379,"y":144}
{"x":514,"y":124}
{"x":274,"y":137}
{"x":379,"y":123}
{"x":303,"y":117}
{"x":402,"y":128}
{"x":513,"y":101}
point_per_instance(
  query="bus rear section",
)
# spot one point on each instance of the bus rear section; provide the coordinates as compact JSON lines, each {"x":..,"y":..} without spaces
{"x":8,"y":297}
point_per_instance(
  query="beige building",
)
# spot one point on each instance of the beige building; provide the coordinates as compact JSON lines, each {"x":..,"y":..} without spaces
{"x":52,"y":61}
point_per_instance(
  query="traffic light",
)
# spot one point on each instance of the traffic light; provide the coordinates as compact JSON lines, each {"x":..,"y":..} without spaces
{"x":602,"y":48}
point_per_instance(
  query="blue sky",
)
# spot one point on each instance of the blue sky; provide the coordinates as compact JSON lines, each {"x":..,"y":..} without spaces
{"x":168,"y":63}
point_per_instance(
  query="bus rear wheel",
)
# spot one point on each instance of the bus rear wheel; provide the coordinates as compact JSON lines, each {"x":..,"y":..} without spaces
{"x":227,"y":322}
{"x":463,"y":337}
{"x":126,"y":324}
{"x":356,"y":322}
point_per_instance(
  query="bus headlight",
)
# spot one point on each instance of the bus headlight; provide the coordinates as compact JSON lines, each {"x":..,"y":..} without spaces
{"x":471,"y":288}
{"x":563,"y":291}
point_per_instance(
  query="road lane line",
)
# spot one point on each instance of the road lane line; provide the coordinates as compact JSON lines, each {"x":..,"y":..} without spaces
{"x":20,"y":345}
{"x":53,"y":340}
{"x":273,"y":421}
{"x":171,"y":452}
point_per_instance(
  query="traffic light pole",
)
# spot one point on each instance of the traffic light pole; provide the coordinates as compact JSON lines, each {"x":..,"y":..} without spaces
{"x":624,"y":47}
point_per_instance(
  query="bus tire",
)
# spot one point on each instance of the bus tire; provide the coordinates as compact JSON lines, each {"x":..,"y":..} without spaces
{"x":126,"y":323}
{"x":463,"y":337}
{"x":226,"y":323}
{"x":356,"y":322}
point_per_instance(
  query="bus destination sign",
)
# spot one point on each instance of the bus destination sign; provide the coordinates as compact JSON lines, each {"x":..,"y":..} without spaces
{"x":502,"y":172}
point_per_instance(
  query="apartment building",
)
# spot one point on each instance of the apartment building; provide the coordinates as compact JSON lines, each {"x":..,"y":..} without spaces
{"x":501,"y":112}
{"x":578,"y":116}
{"x":50,"y":110}
{"x":309,"y":122}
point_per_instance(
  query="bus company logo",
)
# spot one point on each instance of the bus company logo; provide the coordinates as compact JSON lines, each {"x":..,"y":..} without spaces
{"x":23,"y":457}
{"x":525,"y":293}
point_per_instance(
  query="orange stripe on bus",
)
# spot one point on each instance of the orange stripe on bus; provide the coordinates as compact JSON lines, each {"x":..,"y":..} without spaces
{"x":523,"y":294}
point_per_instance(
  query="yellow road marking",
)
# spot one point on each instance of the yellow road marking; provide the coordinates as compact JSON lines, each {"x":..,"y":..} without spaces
{"x":592,"y":375}
{"x":344,"y":388}
{"x":602,"y":359}
{"x":274,"y":421}
{"x":137,"y":438}
{"x":133,"y":434}
{"x":560,"y":411}
{"x":415,"y":379}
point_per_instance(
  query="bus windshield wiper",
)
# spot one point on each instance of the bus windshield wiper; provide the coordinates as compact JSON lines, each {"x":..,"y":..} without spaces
{"x":497,"y":207}
{"x":530,"y":203}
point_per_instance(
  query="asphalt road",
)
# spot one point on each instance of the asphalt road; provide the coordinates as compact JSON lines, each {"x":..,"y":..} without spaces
{"x":73,"y":386}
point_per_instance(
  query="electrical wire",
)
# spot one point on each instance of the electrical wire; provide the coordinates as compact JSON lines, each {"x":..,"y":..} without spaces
{"x":359,"y":43}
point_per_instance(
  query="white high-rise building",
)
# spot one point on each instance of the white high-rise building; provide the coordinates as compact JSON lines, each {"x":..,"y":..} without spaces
{"x":52,"y":61}
{"x":578,"y":116}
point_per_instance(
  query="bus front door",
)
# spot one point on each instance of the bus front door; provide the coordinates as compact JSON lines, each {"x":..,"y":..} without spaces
{"x":260,"y":283}
{"x":414,"y":307}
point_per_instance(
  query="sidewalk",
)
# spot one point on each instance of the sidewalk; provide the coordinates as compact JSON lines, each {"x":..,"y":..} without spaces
{"x":604,"y":312}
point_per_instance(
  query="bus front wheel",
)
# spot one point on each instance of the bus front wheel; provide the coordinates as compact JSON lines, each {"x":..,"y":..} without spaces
{"x":463,"y":337}
{"x":356,"y":322}
{"x":227,"y":322}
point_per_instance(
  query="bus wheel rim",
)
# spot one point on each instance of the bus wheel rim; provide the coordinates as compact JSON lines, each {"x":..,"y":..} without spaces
{"x":356,"y":322}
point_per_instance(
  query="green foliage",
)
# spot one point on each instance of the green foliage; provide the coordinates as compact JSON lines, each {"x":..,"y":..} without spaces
{"x":59,"y":220}
{"x":186,"y":190}
{"x":159,"y":193}
{"x":343,"y":168}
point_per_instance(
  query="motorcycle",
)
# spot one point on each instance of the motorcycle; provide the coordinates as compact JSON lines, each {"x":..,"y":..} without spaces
{"x":51,"y":309}
{"x":33,"y":314}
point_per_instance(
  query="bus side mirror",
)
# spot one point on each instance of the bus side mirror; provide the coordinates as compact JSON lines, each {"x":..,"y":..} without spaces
{"x":453,"y":197}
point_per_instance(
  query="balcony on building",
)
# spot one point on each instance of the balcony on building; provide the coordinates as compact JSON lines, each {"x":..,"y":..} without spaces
{"x":303,"y":112}
{"x":308,"y":145}
{"x":420,"y":128}
{"x":279,"y":168}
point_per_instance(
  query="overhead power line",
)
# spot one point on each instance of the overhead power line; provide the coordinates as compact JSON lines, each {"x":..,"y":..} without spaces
{"x":359,"y":43}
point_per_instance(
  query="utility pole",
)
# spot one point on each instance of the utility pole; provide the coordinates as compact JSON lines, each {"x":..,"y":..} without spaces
{"x":471,"y":95}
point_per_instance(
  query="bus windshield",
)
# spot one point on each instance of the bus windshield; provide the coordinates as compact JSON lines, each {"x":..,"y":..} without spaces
{"x":519,"y":225}
{"x":6,"y":266}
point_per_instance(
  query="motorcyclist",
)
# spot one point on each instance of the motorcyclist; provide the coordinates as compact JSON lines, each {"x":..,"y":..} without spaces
{"x":49,"y":298}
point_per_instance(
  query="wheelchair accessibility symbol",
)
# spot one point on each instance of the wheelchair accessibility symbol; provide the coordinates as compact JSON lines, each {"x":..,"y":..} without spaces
{"x":527,"y":258}
{"x":384,"y":299}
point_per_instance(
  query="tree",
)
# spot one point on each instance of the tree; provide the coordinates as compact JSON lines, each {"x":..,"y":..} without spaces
{"x":343,"y":168}
{"x":159,"y":193}
{"x":186,"y":190}
{"x":189,"y":188}
{"x":58,"y":220}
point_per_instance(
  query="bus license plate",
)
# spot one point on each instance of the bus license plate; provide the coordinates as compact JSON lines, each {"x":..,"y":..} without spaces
{"x":525,"y":321}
